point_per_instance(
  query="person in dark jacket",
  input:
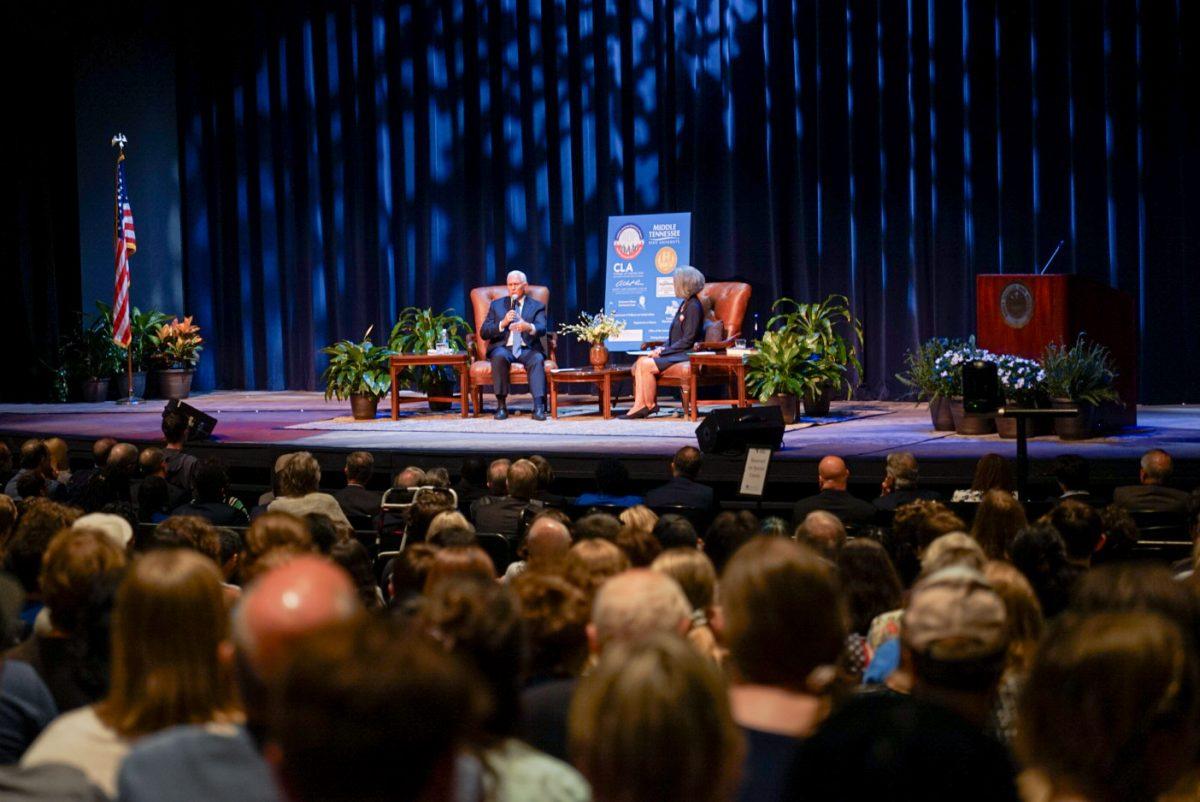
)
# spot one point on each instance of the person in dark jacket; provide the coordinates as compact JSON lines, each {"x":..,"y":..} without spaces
{"x":833,"y":477}
{"x":213,"y":502}
{"x":683,"y":490}
{"x":354,"y":498}
{"x":687,"y":328}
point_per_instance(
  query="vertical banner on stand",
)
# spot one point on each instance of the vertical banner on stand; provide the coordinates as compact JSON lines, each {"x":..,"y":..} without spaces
{"x":642,"y":254}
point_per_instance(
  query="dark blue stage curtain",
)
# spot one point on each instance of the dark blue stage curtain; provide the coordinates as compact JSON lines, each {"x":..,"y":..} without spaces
{"x":342,"y":161}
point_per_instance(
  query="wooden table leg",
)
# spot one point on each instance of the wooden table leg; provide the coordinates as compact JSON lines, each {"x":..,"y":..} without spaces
{"x":606,"y":397}
{"x":740,"y":371}
{"x":464,"y":388}
{"x":395,"y":394}
{"x":691,"y":401}
{"x":553,"y":399}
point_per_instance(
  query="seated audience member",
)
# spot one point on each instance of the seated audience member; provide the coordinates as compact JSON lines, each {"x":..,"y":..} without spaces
{"x":655,"y":697}
{"x":26,"y":705}
{"x":597,"y":525}
{"x":429,"y":504}
{"x":445,"y":522}
{"x":869,"y":588}
{"x":41,"y":520}
{"x":154,"y":500}
{"x":152,"y":463}
{"x":675,"y":532}
{"x":914,"y":527}
{"x":60,"y":459}
{"x":1024,"y":623}
{"x":6,"y":463}
{"x":75,"y":561}
{"x":1073,"y":475}
{"x":635,"y":603}
{"x":785,"y":629}
{"x":612,"y":487}
{"x":823,"y":532}
{"x":410,"y":572}
{"x":545,"y":548}
{"x":928,"y":744}
{"x":546,"y":482}
{"x":590,"y":563}
{"x":272,"y":619}
{"x":833,"y":478}
{"x":188,"y":532}
{"x":1109,"y":712}
{"x":230,"y":558}
{"x":34,"y":458}
{"x":179,"y":464}
{"x":1081,"y":529}
{"x":32,"y":485}
{"x":696,"y":577}
{"x":1120,"y":536}
{"x":352,"y":556}
{"x":438,"y":477}
{"x":503,"y":514}
{"x":992,"y":472}
{"x":169,"y":624}
{"x":639,"y":517}
{"x":299,"y":486}
{"x":472,"y":483}
{"x":639,"y":546}
{"x":370,"y":713}
{"x":480,"y":621}
{"x":1152,"y":494}
{"x":999,"y":517}
{"x":114,"y":482}
{"x":211,"y":500}
{"x":79,"y":478}
{"x":726,"y":534}
{"x":323,"y":531}
{"x":1039,"y":553}
{"x":266,"y":498}
{"x":683,"y":490}
{"x":899,"y":484}
{"x":456,"y":562}
{"x":8,"y":523}
{"x":354,"y":499}
{"x":556,"y":616}
{"x":497,"y":481}
{"x":273,"y":532}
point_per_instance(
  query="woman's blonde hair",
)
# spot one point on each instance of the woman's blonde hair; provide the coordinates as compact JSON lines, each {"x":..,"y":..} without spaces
{"x":1022,"y":612}
{"x":449,"y":519}
{"x":694,"y":572}
{"x":590,"y":562}
{"x":168,"y":622}
{"x":640,"y":517}
{"x":300,"y":475}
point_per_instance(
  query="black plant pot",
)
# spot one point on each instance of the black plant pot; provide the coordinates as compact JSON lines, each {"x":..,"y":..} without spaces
{"x":788,"y":407}
{"x":817,"y":405}
{"x":95,"y":390}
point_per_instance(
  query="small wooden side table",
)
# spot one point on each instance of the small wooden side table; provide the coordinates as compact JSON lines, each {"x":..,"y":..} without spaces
{"x":735,"y":366}
{"x":601,"y":377}
{"x":460,"y":361}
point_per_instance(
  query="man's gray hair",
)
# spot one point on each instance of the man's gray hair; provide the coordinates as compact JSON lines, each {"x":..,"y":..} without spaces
{"x":688,"y":281}
{"x":637,"y":603}
{"x":902,"y":467}
{"x":517,"y":273}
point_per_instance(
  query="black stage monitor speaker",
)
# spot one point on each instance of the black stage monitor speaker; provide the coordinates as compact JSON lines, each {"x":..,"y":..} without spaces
{"x":200,"y":424}
{"x":981,"y":387}
{"x":728,"y":431}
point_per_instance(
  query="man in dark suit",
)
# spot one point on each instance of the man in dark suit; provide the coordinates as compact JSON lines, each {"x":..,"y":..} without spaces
{"x":899,"y":486}
{"x":354,"y":499}
{"x":833,"y":477}
{"x":503,"y":514}
{"x":683,"y":490}
{"x":1153,"y":495}
{"x":1073,"y":475}
{"x":514,"y":328}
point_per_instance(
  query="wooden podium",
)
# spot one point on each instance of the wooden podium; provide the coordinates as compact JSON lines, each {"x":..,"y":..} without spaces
{"x":1020,"y":314}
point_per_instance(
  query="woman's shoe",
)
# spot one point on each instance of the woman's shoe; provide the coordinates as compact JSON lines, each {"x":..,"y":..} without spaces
{"x":637,"y":414}
{"x":652,"y":411}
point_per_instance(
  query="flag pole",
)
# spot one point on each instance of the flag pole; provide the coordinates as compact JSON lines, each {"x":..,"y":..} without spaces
{"x":132,"y":399}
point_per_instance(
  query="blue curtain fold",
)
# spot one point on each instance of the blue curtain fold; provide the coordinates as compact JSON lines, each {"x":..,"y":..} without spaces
{"x":341,"y":161}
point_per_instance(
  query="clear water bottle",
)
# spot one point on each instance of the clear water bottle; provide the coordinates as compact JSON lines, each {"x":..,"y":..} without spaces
{"x":443,"y":343}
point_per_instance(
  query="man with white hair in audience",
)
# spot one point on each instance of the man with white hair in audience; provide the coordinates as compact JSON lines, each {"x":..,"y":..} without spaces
{"x":899,"y":486}
{"x":513,"y":328}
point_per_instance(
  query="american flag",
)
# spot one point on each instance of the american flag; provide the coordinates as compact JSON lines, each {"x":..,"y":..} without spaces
{"x":126,"y":246}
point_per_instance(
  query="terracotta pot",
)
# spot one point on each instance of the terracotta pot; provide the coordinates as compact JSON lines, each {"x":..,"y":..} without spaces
{"x":139,"y":385}
{"x":817,"y":406}
{"x":363,"y":406}
{"x":940,"y":414}
{"x":95,"y":390}
{"x":788,"y":407}
{"x":174,"y":382}
{"x":598,"y":356}
{"x":1076,"y":427}
{"x":973,"y":426}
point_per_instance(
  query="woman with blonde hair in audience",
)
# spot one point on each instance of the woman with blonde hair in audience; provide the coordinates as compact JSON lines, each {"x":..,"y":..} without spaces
{"x":695,"y":574}
{"x":785,"y":627}
{"x":300,"y":490}
{"x":171,"y":664}
{"x":999,"y":517}
{"x":639,"y":517}
{"x":443,"y":521}
{"x":590,"y":562}
{"x":653,"y":722}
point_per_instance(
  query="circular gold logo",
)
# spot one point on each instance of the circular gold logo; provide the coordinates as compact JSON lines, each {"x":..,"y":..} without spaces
{"x":1016,"y":305}
{"x":666,"y":259}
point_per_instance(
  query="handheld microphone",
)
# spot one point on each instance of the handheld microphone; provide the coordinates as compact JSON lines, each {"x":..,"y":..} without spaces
{"x":1057,"y":248}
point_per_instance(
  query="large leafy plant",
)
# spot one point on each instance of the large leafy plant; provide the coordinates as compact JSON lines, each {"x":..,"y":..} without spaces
{"x":786,"y":363}
{"x":88,"y":351}
{"x":143,"y":327}
{"x":921,"y":374}
{"x":360,"y":368}
{"x":177,"y":344}
{"x":1083,"y":372}
{"x":830,"y":329}
{"x":417,"y":331}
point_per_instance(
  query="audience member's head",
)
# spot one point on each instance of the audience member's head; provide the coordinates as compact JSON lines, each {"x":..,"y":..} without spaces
{"x":273,"y":531}
{"x":455,"y":562}
{"x":34,"y":456}
{"x":74,"y":558}
{"x":497,"y":477}
{"x":8,"y":523}
{"x":277,"y":471}
{"x":188,"y":532}
{"x":100,"y":449}
{"x":151,"y":462}
{"x":410,"y":477}
{"x":438,"y":477}
{"x":154,"y":498}
{"x":868,"y":582}
{"x":955,"y":548}
{"x":634,"y":604}
{"x":726,"y":534}
{"x":1138,"y":587}
{"x":556,"y":617}
{"x":322,"y":530}
{"x":231,"y":552}
{"x":639,"y":546}
{"x":300,"y":476}
{"x":914,"y":527}
{"x":640,"y":517}
{"x":675,"y":531}
{"x":370,"y":713}
{"x":32,"y":484}
{"x":687,"y":462}
{"x":546,"y":544}
{"x":354,"y":558}
{"x":410,"y":571}
{"x":590,"y":563}
{"x":1022,"y":612}
{"x":116,"y":527}
{"x":522,"y":480}
{"x":545,"y":471}
{"x":1039,"y":553}
{"x":900,"y":471}
{"x":612,"y":477}
{"x":6,"y":461}
{"x":1072,"y":473}
{"x":210,"y":480}
{"x":359,"y":467}
{"x":783,"y":615}
{"x":1109,"y":709}
{"x":993,"y":472}
{"x":1156,"y":467}
{"x":474,"y":471}
{"x":445,"y":521}
{"x":60,"y":454}
{"x":774,"y":526}
{"x":1120,"y":535}
{"x":174,"y":428}
{"x":170,"y":625}
{"x":693,"y":571}
{"x":823,"y":532}
{"x":597,"y":526}
{"x":40,"y":522}
{"x":655,"y":697}
{"x":999,"y":517}
{"x":832,"y":473}
{"x":428,"y":505}
{"x":1080,"y":526}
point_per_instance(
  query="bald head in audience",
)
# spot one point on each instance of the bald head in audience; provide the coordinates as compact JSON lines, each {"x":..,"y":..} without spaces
{"x":822,"y":531}
{"x":1156,"y":467}
{"x":635,"y":604}
{"x":832,"y":473}
{"x":546,"y":542}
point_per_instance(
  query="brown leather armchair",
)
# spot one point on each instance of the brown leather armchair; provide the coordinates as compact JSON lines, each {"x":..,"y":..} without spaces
{"x":729,"y":300}
{"x":481,"y":367}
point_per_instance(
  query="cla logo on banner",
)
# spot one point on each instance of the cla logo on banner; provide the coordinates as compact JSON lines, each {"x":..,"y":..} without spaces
{"x":629,"y":241}
{"x":666,"y":259}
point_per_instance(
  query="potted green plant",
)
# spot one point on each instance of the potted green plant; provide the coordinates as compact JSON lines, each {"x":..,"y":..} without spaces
{"x":834,"y":334}
{"x":596,"y":330}
{"x":359,"y":372}
{"x":417,"y":331}
{"x":89,"y":358}
{"x":143,"y":326}
{"x":176,"y":350}
{"x":927,"y":384}
{"x":1079,"y":376}
{"x":1022,"y":381}
{"x":948,"y":367}
{"x":786,"y":367}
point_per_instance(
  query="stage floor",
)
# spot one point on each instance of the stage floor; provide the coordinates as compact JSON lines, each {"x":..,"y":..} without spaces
{"x":261,"y":424}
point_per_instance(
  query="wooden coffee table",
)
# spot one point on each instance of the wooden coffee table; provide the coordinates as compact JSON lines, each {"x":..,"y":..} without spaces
{"x":735,"y":366}
{"x":601,"y":377}
{"x":460,"y":361}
